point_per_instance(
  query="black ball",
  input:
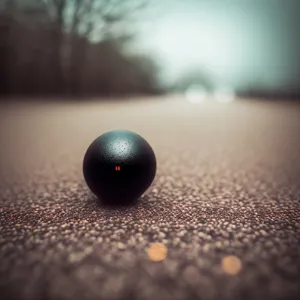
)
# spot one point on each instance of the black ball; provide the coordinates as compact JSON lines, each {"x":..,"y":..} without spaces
{"x":119,"y":166}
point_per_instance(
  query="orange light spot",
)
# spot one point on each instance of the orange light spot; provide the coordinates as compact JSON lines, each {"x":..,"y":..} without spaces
{"x":157,"y":252}
{"x":231,"y":265}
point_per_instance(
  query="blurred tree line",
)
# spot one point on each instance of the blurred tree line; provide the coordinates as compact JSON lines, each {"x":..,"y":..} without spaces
{"x":72,"y":48}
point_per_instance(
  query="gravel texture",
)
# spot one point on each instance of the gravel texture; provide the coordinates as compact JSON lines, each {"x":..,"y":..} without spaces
{"x":227,"y":183}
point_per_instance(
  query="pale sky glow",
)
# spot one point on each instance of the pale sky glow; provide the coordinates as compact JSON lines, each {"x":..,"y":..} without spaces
{"x":237,"y":41}
{"x":192,"y":42}
{"x":185,"y":41}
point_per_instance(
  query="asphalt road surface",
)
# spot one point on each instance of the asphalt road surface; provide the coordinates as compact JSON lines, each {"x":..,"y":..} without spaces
{"x":228,"y":183}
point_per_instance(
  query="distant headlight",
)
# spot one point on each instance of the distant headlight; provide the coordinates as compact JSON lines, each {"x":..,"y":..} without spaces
{"x":224,"y":95}
{"x":196,"y":94}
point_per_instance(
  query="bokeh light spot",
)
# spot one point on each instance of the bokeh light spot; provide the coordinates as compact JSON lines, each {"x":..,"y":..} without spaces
{"x":157,"y":252}
{"x":224,"y":95}
{"x":231,"y":265}
{"x":196,"y":94}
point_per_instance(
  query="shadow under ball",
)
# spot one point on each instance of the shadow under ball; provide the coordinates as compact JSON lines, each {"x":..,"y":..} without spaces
{"x":119,"y":166}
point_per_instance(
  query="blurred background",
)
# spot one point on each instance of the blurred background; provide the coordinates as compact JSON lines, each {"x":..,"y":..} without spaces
{"x":76,"y":48}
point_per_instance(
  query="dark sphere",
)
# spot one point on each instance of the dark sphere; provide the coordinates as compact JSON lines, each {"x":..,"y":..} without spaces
{"x":119,"y":166}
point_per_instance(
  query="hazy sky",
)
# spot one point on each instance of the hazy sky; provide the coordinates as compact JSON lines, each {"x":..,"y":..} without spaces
{"x":238,"y":42}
